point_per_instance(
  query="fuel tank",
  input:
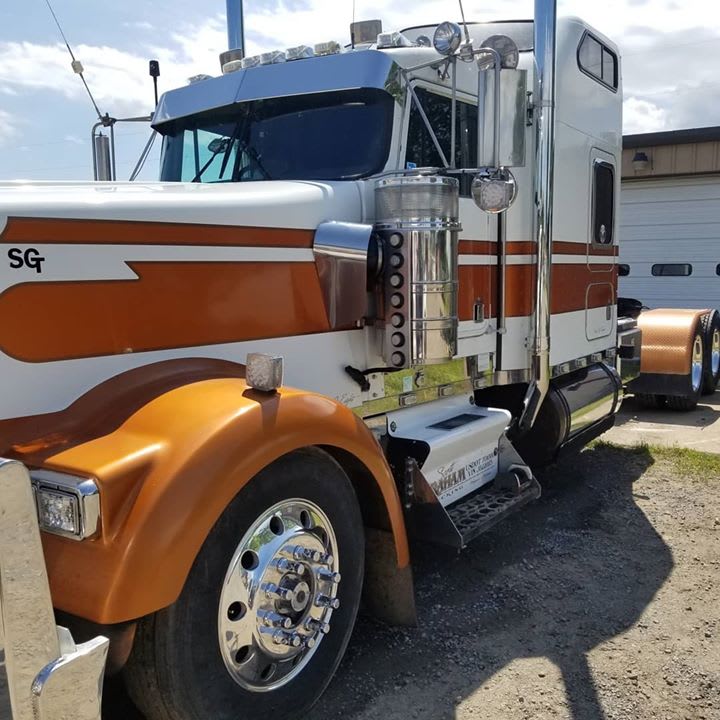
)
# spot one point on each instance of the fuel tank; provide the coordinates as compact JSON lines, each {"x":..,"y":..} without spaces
{"x":579,"y":407}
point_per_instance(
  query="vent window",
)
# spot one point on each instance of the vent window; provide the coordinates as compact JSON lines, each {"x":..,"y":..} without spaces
{"x":421,"y":150}
{"x":672,"y":270}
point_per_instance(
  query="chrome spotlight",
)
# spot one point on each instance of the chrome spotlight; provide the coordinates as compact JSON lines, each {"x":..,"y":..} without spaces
{"x":447,"y":38}
{"x":494,"y":189}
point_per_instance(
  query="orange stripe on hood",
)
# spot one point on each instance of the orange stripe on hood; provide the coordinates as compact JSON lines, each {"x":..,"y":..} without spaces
{"x":171,"y":305}
{"x":36,"y":231}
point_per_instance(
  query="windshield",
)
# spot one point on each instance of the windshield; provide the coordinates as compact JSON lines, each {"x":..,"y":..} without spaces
{"x":334,"y":136}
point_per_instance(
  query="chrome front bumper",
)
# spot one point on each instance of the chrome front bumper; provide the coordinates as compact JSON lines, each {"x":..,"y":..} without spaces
{"x":49,"y":676}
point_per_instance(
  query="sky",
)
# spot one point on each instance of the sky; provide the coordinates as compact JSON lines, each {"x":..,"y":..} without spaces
{"x":670,"y":51}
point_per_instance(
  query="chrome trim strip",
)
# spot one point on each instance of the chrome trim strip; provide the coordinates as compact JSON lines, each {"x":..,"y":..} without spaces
{"x":84,"y":489}
{"x":564,"y":368}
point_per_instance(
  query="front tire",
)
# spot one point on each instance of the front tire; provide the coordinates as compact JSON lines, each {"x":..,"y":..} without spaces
{"x":265,"y":615}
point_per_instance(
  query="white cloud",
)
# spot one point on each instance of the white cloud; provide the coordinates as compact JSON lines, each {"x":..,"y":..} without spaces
{"x":641,"y":116}
{"x":118,"y":79}
{"x":9,"y":129}
{"x":139,"y":25}
{"x":665,"y":53}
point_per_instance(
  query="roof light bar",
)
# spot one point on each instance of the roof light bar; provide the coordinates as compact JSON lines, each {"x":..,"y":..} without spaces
{"x":392,"y":40}
{"x":300,"y":52}
{"x":272,"y":58}
{"x":250,"y":61}
{"x":327,"y":48}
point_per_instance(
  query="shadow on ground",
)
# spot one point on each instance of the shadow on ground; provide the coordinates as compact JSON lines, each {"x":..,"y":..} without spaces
{"x":706,"y":414}
{"x":568,"y":573}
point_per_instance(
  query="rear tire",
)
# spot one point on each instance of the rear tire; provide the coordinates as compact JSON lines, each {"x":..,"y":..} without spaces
{"x":711,"y":337}
{"x":207,"y":655}
{"x":685,"y":403}
{"x":650,"y":402}
{"x":681,"y":404}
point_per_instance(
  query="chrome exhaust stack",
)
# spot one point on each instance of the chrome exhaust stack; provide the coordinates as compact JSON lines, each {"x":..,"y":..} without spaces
{"x":49,"y":677}
{"x":236,"y":36}
{"x":545,"y":31}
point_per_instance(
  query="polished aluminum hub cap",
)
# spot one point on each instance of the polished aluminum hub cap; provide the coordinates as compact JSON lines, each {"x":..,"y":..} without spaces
{"x":715,"y":353}
{"x":697,"y":364}
{"x":279,"y":594}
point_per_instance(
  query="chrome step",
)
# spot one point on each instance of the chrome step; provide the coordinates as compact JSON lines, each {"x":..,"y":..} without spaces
{"x":461,"y":522}
{"x":478,"y":512}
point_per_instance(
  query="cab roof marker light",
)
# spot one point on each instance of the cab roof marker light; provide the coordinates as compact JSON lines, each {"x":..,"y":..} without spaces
{"x":327,"y":48}
{"x":392,"y":40}
{"x":232,"y":66}
{"x":301,"y":52}
{"x":250,"y":62}
{"x":272,"y":58}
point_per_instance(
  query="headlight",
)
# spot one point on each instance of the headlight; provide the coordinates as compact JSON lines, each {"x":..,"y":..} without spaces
{"x":67,"y":505}
{"x":58,"y":512}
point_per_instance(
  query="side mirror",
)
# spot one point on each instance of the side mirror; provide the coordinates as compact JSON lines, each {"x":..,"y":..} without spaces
{"x":494,"y":190}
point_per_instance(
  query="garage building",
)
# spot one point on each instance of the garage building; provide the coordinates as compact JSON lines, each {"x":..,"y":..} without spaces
{"x":670,"y":218}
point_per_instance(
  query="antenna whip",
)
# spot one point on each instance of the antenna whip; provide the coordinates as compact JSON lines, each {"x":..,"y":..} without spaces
{"x":76,"y":64}
{"x":462,"y":14}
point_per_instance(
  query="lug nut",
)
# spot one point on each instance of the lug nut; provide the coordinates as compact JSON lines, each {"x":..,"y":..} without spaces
{"x":271,"y":619}
{"x":301,"y":553}
{"x":326,"y":559}
{"x":280,"y":637}
{"x":328,"y":575}
{"x":327,"y":602}
{"x":285,"y":565}
{"x":310,"y":643}
{"x":279,"y":593}
{"x":314,"y":625}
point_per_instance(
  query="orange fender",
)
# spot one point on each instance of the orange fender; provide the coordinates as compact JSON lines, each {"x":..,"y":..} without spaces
{"x":667,"y":340}
{"x":170,"y":445}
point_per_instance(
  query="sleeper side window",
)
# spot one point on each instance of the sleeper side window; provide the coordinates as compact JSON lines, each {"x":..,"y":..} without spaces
{"x":603,"y":203}
{"x":598,"y":61}
{"x":623,"y":270}
{"x":421,"y":151}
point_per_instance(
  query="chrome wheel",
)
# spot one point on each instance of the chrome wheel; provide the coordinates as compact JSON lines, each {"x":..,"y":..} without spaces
{"x":697,"y":364}
{"x":278,"y":596}
{"x":715,"y":353}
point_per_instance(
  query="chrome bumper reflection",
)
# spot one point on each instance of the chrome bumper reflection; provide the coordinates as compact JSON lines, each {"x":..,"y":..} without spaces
{"x":49,"y":676}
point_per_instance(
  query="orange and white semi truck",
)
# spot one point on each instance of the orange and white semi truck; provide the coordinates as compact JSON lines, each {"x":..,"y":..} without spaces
{"x":373,"y":292}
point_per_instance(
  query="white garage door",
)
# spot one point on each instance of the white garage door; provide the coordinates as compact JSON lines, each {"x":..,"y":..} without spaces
{"x":670,"y":242}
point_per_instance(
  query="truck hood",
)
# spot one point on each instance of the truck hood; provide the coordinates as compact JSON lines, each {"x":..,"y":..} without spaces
{"x":277,"y":204}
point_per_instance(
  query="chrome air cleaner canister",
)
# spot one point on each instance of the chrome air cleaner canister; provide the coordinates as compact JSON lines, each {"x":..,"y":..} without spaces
{"x":418,"y":221}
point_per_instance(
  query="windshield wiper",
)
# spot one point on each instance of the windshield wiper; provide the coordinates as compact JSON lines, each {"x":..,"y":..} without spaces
{"x":225,"y":146}
{"x":222,"y":147}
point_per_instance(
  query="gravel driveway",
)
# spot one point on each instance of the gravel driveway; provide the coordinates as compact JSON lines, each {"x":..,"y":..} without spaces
{"x":598,"y":602}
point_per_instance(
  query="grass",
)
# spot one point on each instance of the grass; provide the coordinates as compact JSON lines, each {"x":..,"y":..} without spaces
{"x":685,"y":461}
